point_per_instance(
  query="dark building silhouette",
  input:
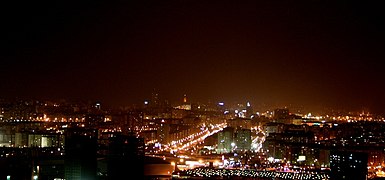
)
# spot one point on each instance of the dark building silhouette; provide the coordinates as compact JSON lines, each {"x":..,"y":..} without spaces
{"x":48,"y":168}
{"x":290,"y":142}
{"x":80,"y":161}
{"x":30,"y":163}
{"x":125,"y":157}
{"x":280,"y":115}
{"x":18,"y":167}
{"x":348,"y":165}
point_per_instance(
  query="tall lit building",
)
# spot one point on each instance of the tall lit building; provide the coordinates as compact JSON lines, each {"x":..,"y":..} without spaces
{"x":185,"y":105}
{"x":243,"y":139}
{"x":249,"y":110}
{"x":184,"y":98}
{"x":226,"y":140}
{"x":163,"y":132}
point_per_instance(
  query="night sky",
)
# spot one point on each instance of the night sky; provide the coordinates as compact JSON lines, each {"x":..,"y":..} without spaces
{"x":302,"y":53}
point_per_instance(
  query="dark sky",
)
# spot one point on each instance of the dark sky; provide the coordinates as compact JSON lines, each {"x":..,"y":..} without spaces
{"x":309,"y":53}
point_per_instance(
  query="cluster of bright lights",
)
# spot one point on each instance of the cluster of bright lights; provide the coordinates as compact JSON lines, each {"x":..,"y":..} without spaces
{"x":203,"y":137}
{"x":348,"y":118}
{"x":194,"y":139}
{"x":256,"y":143}
{"x":207,"y":172}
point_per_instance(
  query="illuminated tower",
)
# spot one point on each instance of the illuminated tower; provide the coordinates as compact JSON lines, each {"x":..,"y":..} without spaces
{"x":249,"y":110}
{"x":98,"y":105}
{"x":184,"y":99}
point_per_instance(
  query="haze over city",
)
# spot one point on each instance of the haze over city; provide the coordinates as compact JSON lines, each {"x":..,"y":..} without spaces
{"x":192,"y":89}
{"x":313,"y":54}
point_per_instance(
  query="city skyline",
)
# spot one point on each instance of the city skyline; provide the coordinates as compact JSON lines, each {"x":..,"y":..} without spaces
{"x":311,"y":54}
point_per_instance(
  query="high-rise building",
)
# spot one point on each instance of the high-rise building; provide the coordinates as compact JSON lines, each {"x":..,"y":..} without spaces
{"x":243,"y":140}
{"x":184,"y":99}
{"x":163,"y":131}
{"x":125,"y":157}
{"x":348,"y":165}
{"x":249,"y":110}
{"x":80,"y":161}
{"x":226,"y":140}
